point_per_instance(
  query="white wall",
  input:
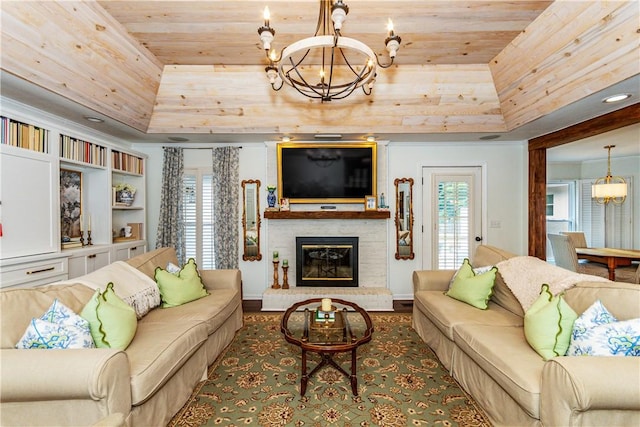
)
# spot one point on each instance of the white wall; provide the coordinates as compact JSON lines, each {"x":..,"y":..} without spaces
{"x":506,"y":165}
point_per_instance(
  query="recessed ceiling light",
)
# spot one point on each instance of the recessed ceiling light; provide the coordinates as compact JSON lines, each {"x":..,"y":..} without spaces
{"x":93,"y":119}
{"x":177,"y":139}
{"x":489,"y":137}
{"x":286,"y":139}
{"x":616,"y":98}
{"x":371,"y":138}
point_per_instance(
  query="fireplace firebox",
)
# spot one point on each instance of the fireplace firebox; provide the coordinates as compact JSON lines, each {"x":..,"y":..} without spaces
{"x":327,"y":261}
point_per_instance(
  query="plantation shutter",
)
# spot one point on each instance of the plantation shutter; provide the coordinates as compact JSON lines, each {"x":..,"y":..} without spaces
{"x":189,"y":214}
{"x":197,"y":205}
{"x":208,"y":258}
{"x":453,"y":223}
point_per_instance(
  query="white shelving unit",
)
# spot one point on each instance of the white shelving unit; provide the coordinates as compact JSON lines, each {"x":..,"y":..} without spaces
{"x":35,"y":147}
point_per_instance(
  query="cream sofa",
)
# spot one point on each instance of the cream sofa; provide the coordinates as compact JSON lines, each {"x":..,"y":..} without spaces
{"x":487,"y":353}
{"x":148,"y":382}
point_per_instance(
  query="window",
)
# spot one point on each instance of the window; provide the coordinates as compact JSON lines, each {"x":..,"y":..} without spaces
{"x":453,"y":223}
{"x":549,"y":204}
{"x":197,"y":211}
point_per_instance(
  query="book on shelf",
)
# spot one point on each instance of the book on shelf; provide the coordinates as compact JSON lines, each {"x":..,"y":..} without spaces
{"x":72,"y":244}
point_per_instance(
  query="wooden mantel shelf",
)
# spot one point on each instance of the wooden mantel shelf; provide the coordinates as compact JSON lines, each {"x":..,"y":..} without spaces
{"x":327,"y":214}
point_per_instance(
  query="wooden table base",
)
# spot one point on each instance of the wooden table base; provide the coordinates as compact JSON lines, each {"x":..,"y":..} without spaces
{"x":327,"y":359}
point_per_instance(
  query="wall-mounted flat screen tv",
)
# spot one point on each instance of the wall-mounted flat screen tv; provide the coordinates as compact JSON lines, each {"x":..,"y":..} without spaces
{"x":326,"y":172}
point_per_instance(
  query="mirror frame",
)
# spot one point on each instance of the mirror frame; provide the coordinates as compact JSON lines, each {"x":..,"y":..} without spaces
{"x":245,"y":255}
{"x":408,"y":210}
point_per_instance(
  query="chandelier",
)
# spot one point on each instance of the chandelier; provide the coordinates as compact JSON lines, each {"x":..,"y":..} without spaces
{"x":328,"y":65}
{"x":609,"y":188}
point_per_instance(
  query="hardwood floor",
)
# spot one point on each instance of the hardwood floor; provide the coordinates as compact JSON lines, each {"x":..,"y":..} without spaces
{"x":399,"y":306}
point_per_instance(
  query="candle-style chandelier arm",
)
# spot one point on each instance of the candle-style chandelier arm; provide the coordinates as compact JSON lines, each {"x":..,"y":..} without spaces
{"x":285,"y":67}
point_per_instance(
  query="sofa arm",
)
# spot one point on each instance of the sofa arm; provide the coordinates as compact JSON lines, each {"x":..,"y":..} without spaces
{"x":574,"y":386}
{"x":76,"y":374}
{"x":432,"y":280}
{"x":222,"y":279}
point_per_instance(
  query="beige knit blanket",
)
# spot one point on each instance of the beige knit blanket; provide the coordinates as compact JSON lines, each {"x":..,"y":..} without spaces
{"x":133,"y":286}
{"x":524,"y":275}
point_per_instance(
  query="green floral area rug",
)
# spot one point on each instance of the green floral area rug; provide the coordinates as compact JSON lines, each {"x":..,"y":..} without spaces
{"x":256,"y":381}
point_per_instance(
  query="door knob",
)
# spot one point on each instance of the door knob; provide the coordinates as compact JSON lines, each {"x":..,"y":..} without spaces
{"x":478,"y":239}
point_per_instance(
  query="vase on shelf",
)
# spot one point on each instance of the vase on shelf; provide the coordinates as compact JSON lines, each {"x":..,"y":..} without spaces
{"x":271,"y":197}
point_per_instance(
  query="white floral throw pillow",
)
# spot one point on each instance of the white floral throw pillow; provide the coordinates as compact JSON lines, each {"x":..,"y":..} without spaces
{"x":58,"y":328}
{"x":598,"y":333}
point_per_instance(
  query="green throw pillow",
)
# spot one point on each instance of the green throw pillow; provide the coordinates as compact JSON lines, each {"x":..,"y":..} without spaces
{"x":180,"y":288}
{"x":548,"y":324}
{"x":473,"y":289}
{"x":112,"y":322}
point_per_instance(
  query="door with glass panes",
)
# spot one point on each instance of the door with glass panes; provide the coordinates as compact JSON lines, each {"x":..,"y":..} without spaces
{"x":452,"y":210}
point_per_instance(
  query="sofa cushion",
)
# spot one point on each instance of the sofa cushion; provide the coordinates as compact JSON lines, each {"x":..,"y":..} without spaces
{"x":213,"y":310}
{"x":548,"y":324}
{"x":621,"y":299}
{"x":180,"y":288}
{"x":473,"y":286}
{"x":159,"y":350}
{"x":447,"y":312}
{"x":113,"y":322}
{"x":503,"y":296}
{"x":148,"y":262}
{"x":503,"y":352}
{"x":19,"y":306}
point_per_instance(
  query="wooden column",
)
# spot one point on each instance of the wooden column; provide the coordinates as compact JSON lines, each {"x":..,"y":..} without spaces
{"x":537,"y":202}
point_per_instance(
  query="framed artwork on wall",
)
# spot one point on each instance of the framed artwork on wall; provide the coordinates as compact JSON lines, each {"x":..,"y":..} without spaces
{"x":70,"y":204}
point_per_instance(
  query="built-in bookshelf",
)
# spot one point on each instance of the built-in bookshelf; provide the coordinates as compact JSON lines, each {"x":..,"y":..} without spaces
{"x":127,"y":162}
{"x":82,"y":151}
{"x":37,"y":149}
{"x":24,"y":135}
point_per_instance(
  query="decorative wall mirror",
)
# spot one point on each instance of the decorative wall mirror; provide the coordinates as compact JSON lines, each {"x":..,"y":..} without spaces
{"x":251,"y":220}
{"x":404,"y":218}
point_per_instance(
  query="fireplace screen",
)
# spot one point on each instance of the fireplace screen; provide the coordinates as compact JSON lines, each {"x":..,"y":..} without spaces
{"x":327,"y":261}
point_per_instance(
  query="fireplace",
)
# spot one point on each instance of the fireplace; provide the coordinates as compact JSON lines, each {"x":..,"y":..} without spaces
{"x":327,"y":261}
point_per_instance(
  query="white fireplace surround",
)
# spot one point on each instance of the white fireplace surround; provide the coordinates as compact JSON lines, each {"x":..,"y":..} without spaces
{"x":372,"y":292}
{"x":372,"y":289}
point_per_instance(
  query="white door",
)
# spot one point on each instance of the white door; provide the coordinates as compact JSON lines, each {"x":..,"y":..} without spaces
{"x":452,"y":210}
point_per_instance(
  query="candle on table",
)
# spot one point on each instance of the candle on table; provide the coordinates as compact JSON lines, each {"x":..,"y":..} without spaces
{"x":89,"y":226}
{"x":81,"y":222}
{"x":285,"y":263}
{"x":326,"y":304}
{"x":275,"y":255}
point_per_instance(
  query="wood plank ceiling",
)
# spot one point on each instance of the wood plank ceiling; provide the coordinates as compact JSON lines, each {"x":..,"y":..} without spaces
{"x":197,"y":66}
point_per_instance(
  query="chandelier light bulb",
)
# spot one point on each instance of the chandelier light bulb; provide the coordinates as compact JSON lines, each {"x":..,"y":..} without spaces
{"x":390,"y":27}
{"x":267,"y":15}
{"x":272,"y":56}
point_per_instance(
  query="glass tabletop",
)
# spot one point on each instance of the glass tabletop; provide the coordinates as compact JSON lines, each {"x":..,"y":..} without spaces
{"x":341,"y":329}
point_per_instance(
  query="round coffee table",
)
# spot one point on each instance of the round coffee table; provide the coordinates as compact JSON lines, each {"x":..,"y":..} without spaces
{"x":350,"y":328}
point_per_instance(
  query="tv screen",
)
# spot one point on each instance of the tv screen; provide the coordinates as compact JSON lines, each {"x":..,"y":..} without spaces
{"x":326,"y":173}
